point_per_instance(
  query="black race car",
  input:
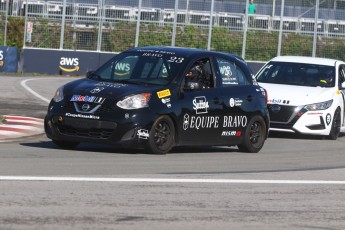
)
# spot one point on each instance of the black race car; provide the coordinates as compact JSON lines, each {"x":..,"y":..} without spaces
{"x":160,"y":97}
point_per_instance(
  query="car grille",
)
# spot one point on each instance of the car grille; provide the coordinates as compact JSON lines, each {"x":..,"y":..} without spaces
{"x":283,"y":115}
{"x":109,"y":105}
{"x":88,"y":133}
{"x":281,"y":126}
{"x":85,"y":128}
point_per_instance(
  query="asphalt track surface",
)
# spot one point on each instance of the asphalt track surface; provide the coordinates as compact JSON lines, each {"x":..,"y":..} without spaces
{"x":295,"y":182}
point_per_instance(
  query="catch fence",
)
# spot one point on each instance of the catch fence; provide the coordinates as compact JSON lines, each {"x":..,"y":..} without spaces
{"x":278,"y":27}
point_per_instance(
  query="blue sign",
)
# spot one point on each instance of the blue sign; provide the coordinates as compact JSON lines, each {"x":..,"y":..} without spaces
{"x":8,"y":59}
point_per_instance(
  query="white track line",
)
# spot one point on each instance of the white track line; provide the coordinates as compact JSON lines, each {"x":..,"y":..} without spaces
{"x":167,"y":180}
{"x":23,"y":83}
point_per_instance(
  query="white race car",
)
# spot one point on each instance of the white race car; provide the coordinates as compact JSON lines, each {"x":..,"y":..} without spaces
{"x":305,"y":95}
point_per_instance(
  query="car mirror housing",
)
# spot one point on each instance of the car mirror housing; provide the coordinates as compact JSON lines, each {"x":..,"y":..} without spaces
{"x":90,"y":73}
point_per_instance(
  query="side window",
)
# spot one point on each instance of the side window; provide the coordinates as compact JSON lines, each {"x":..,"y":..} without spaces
{"x":341,"y":75}
{"x":242,"y":80}
{"x":200,"y":76}
{"x":231,"y":75}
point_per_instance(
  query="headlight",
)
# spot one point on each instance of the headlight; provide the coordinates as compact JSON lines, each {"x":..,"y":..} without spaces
{"x":58,"y":94}
{"x":319,"y":106}
{"x":137,"y":101}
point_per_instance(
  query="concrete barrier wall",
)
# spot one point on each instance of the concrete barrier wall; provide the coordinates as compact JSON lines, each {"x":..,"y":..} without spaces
{"x":61,"y":61}
{"x":8,"y":59}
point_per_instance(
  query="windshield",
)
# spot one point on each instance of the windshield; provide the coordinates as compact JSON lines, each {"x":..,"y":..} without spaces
{"x":138,"y":68}
{"x":297,"y":74}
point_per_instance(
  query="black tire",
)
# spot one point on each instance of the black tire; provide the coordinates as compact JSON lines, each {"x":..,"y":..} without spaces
{"x":161,"y":136}
{"x":254,"y":136}
{"x":335,"y":130}
{"x":66,"y":144}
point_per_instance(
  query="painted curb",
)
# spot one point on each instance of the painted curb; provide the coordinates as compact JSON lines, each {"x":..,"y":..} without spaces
{"x":16,"y":127}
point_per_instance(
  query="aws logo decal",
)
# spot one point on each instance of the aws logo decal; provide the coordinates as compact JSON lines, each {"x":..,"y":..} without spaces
{"x":69,"y":64}
{"x":122,"y":69}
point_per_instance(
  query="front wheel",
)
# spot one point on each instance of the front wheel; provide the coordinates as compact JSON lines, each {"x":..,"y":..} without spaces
{"x":335,"y":130}
{"x":254,"y":136}
{"x":161,"y":136}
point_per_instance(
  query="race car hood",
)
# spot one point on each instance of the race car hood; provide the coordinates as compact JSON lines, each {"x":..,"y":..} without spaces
{"x":116,"y":90}
{"x":296,"y":95}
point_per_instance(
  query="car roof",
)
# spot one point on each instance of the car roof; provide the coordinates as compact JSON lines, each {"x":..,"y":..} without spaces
{"x":184,"y":51}
{"x":307,"y":60}
{"x":195,"y":53}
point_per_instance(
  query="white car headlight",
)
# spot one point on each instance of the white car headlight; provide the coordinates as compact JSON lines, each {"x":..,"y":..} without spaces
{"x":319,"y":106}
{"x":58,"y":94}
{"x":137,"y":101}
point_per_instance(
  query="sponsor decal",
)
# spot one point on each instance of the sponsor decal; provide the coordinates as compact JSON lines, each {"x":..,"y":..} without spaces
{"x":111,"y":85}
{"x":81,"y":98}
{"x":232,"y":102}
{"x":127,"y":116}
{"x":152,"y":54}
{"x":97,"y":90}
{"x":235,"y":102}
{"x":231,"y":133}
{"x":156,"y":51}
{"x":82,"y":116}
{"x":278,"y":101}
{"x":69,"y":64}
{"x":230,"y":81}
{"x":166,"y":101}
{"x":206,"y":122}
{"x":163,"y":93}
{"x":122,"y":69}
{"x":143,"y":133}
{"x":235,"y":121}
{"x":185,"y":121}
{"x":226,"y":71}
{"x":328,"y":118}
{"x":200,"y":105}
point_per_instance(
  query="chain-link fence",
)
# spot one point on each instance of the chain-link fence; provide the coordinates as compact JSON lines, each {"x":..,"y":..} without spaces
{"x":275,"y":27}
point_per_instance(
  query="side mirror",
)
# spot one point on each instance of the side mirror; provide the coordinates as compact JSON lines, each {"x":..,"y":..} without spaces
{"x":93,"y":75}
{"x":90,"y":73}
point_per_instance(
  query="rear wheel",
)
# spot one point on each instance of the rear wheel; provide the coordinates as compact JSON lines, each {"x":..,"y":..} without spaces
{"x":66,"y":144}
{"x":162,"y":136}
{"x":254,"y":136}
{"x":335,"y":130}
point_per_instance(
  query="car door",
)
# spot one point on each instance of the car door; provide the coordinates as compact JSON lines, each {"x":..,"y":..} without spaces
{"x":199,"y":119}
{"x":239,"y":98}
{"x":341,"y":82}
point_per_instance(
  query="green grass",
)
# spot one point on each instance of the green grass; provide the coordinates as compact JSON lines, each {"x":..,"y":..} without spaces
{"x":2,"y":119}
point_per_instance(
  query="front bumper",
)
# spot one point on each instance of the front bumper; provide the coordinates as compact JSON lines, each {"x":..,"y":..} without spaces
{"x":302,"y":121}
{"x":58,"y":127}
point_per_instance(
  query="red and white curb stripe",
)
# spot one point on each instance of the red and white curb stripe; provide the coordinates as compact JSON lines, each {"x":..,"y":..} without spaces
{"x":18,"y":126}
